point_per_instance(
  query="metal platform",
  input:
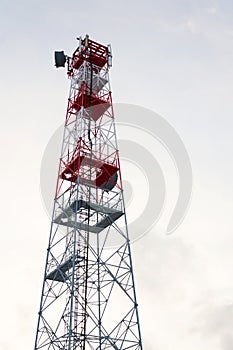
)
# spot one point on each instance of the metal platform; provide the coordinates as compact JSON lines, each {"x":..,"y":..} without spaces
{"x":98,"y":105}
{"x":59,"y":274}
{"x":98,"y":57}
{"x":110,"y":215}
{"x":77,"y":164}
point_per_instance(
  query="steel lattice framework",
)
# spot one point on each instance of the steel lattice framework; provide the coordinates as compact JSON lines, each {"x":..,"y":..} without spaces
{"x":88,"y":297}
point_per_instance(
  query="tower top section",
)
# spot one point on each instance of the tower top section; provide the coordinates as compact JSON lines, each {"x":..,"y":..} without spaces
{"x":96,"y":54}
{"x":90,"y":51}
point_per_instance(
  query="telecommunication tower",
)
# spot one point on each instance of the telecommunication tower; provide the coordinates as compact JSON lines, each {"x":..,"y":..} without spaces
{"x":88,"y":297}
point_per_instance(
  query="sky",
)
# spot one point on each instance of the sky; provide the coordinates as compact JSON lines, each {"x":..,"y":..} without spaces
{"x":175,"y":58}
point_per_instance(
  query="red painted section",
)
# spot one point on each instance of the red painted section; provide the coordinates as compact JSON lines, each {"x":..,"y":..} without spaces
{"x":97,"y":61}
{"x":99,"y":55}
{"x":83,"y":100}
{"x":106,"y":170}
{"x":70,"y":172}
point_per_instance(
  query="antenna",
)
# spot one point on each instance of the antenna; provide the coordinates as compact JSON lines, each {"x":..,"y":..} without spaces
{"x":88,"y":299}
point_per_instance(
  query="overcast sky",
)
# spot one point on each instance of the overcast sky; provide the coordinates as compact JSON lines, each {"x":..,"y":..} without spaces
{"x":174,"y":57}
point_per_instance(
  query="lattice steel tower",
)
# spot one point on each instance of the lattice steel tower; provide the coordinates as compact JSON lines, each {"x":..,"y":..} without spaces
{"x":88,"y":298}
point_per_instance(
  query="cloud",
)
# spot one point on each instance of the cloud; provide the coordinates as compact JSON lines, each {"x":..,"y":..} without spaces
{"x":212,"y":10}
{"x":214,"y":321}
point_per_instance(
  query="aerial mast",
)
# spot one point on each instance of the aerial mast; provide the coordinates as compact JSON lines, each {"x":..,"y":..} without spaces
{"x":88,"y":297}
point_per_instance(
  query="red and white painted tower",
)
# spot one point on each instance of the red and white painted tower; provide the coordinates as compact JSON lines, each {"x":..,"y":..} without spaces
{"x":88,"y":297}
